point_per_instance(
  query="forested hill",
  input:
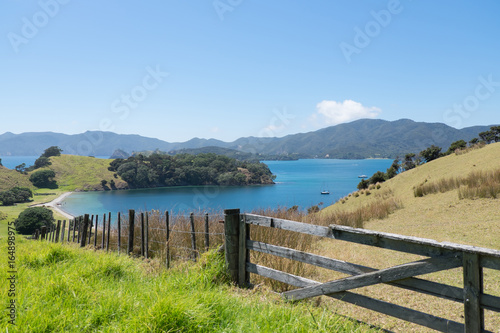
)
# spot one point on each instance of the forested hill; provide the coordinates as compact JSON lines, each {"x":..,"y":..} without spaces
{"x":365,"y":138}
{"x":184,"y":169}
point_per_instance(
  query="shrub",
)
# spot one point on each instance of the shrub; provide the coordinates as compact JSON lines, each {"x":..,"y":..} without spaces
{"x":33,"y":218}
{"x":43,"y":179}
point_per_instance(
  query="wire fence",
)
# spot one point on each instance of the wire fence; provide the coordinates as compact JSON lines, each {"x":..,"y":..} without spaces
{"x":152,"y":234}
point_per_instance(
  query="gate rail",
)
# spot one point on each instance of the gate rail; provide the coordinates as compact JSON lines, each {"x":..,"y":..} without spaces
{"x":441,"y":256}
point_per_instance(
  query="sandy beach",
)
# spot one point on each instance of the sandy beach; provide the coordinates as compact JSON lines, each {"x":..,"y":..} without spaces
{"x":55,"y":205}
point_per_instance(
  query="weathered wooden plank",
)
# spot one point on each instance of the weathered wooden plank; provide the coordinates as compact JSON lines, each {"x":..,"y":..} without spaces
{"x":83,"y":230}
{"x":146,"y":243}
{"x":384,"y":275}
{"x":63,"y":231}
{"x":103,"y":239}
{"x":109,"y":231}
{"x":119,"y":226}
{"x":306,"y":228}
{"x":207,"y":234}
{"x":414,"y":284}
{"x":489,"y":262}
{"x":96,"y":228}
{"x":167,"y":230}
{"x":397,"y":311}
{"x":274,"y":274}
{"x":131,"y":225}
{"x":142,"y":234}
{"x":231,"y":242}
{"x":193,"y":236}
{"x":473,"y":288}
{"x":243,"y":255}
{"x":393,"y":310}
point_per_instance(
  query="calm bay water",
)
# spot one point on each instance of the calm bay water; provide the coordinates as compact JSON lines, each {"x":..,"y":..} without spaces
{"x":297,"y":183}
{"x":11,"y":162}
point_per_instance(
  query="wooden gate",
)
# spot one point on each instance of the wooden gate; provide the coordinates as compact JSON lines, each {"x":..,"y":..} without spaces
{"x":441,"y":256}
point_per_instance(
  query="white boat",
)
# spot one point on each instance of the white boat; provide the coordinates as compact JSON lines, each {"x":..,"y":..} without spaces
{"x":325,"y":192}
{"x":362,"y":176}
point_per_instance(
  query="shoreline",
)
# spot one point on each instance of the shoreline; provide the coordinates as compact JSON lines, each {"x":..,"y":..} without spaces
{"x":54,"y":204}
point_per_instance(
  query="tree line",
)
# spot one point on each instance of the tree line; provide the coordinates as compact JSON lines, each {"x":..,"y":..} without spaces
{"x":159,"y":170}
{"x":412,"y":160}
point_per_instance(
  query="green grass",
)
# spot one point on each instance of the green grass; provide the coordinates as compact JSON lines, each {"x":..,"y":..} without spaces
{"x":82,"y":173}
{"x":61,"y":288}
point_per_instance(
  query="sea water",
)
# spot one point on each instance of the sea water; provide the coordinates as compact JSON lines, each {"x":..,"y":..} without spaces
{"x":298,"y":183}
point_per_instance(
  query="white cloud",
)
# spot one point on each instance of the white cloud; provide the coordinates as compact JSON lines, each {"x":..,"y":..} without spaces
{"x":340,"y":112}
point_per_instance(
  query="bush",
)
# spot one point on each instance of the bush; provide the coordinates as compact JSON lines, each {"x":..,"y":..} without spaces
{"x":15,"y":195}
{"x":43,"y":178}
{"x":33,"y":218}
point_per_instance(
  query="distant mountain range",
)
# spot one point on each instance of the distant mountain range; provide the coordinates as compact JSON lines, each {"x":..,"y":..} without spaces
{"x":365,"y":138}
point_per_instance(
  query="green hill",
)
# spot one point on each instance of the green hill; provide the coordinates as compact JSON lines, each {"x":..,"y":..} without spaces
{"x":11,"y":178}
{"x":83,"y":173}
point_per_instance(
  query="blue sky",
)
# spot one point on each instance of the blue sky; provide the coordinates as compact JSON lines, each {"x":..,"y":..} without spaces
{"x":230,"y":68}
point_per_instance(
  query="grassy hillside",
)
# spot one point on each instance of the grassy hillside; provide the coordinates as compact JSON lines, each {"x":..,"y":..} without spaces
{"x":440,"y":216}
{"x":11,"y":178}
{"x":62,"y":288}
{"x":82,"y":173}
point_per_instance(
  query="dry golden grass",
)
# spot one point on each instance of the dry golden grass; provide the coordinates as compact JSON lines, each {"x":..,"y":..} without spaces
{"x":440,"y":216}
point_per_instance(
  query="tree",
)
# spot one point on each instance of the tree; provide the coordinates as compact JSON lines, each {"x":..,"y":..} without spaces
{"x":44,"y":179}
{"x":41,"y":162}
{"x":431,"y":153}
{"x":1,"y":162}
{"x":378,"y":177}
{"x":52,"y":151}
{"x":363,"y":184}
{"x":394,"y":169}
{"x":488,"y":136}
{"x":473,"y":141}
{"x":409,"y":163}
{"x":21,"y":168}
{"x":104,"y":182}
{"x":33,"y":218}
{"x":460,"y":144}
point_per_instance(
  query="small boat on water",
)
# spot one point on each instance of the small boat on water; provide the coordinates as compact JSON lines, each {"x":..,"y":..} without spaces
{"x":325,"y":192}
{"x":362,"y":176}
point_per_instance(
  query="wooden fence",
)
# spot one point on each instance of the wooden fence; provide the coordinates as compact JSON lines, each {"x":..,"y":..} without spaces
{"x":168,"y":237}
{"x":441,"y":256}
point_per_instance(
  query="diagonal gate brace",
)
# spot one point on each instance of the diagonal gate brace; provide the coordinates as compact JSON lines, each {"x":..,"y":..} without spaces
{"x":391,"y":274}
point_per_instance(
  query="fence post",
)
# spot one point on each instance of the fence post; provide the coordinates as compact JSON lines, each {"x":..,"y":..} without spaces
{"x":119,"y":232}
{"x":79,"y":238}
{"x":58,"y":231}
{"x":146,"y":244}
{"x":167,"y":254}
{"x":37,"y":234}
{"x":103,"y":231}
{"x":74,"y":229}
{"x":207,"y":235}
{"x":63,"y":231}
{"x":131,"y":222}
{"x":53,"y":231}
{"x":95,"y":234}
{"x":109,"y":231}
{"x":232,"y":232}
{"x":243,"y":253}
{"x":84,"y":229}
{"x":43,"y":233}
{"x":473,"y":289}
{"x":193,"y":235}
{"x":142,"y":234}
